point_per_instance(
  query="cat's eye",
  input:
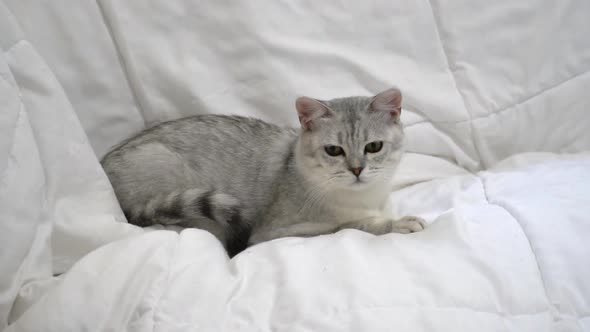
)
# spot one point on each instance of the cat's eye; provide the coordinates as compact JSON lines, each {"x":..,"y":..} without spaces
{"x":373,"y":147}
{"x":333,"y":150}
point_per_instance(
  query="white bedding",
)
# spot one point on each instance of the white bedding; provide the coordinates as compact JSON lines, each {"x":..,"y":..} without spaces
{"x":496,"y":108}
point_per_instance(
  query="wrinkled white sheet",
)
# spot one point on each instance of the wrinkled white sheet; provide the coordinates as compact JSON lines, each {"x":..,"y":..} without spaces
{"x":506,"y":248}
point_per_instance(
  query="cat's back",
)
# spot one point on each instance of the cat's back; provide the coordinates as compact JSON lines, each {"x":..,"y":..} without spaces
{"x":231,"y":152}
{"x":215,"y":131}
{"x":234,"y":155}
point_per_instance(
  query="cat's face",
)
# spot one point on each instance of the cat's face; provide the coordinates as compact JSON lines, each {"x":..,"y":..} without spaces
{"x":350,"y":142}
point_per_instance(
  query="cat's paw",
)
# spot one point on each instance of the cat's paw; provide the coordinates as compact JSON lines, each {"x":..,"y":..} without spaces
{"x":408,"y":224}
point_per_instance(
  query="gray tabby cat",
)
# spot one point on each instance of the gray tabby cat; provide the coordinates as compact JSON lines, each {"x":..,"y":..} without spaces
{"x":248,"y":181}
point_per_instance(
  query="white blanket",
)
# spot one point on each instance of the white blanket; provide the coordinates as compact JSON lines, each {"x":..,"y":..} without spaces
{"x":506,"y":248}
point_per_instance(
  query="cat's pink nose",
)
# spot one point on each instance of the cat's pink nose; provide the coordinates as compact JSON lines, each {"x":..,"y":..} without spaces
{"x":356,"y":171}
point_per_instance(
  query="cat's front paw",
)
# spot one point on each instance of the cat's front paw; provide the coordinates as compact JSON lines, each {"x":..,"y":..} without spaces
{"x":408,"y":224}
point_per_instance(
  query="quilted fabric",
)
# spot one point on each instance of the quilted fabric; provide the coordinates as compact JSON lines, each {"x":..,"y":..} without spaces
{"x":498,"y":137}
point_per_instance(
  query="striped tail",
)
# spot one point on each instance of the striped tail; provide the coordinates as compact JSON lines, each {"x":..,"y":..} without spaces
{"x":195,"y":208}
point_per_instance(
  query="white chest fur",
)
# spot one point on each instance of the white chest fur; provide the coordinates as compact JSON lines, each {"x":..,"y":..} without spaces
{"x":350,"y":205}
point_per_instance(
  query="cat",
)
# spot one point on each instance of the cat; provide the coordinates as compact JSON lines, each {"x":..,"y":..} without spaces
{"x":247,"y":181}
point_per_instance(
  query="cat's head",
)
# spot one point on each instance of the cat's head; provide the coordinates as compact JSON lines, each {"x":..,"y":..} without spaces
{"x":351,"y":142}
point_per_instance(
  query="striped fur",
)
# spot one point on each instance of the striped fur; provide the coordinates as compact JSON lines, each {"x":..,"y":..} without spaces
{"x":181,"y":205}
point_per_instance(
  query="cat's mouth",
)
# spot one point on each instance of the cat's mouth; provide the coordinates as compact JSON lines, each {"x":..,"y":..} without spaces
{"x":358,"y":182}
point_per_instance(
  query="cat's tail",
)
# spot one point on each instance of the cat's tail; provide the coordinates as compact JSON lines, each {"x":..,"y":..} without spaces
{"x":193,"y":207}
{"x":181,"y":205}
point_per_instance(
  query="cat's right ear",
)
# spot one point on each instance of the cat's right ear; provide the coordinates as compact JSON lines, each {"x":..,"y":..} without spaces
{"x":311,"y":110}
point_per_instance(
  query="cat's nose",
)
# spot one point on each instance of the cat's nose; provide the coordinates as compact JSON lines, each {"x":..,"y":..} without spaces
{"x":356,"y":171}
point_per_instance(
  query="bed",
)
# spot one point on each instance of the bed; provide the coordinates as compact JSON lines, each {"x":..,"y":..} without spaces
{"x":496,"y":114}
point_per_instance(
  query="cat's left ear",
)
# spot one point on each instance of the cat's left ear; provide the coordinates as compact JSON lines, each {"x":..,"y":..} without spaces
{"x":388,"y":101}
{"x":310,"y":111}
